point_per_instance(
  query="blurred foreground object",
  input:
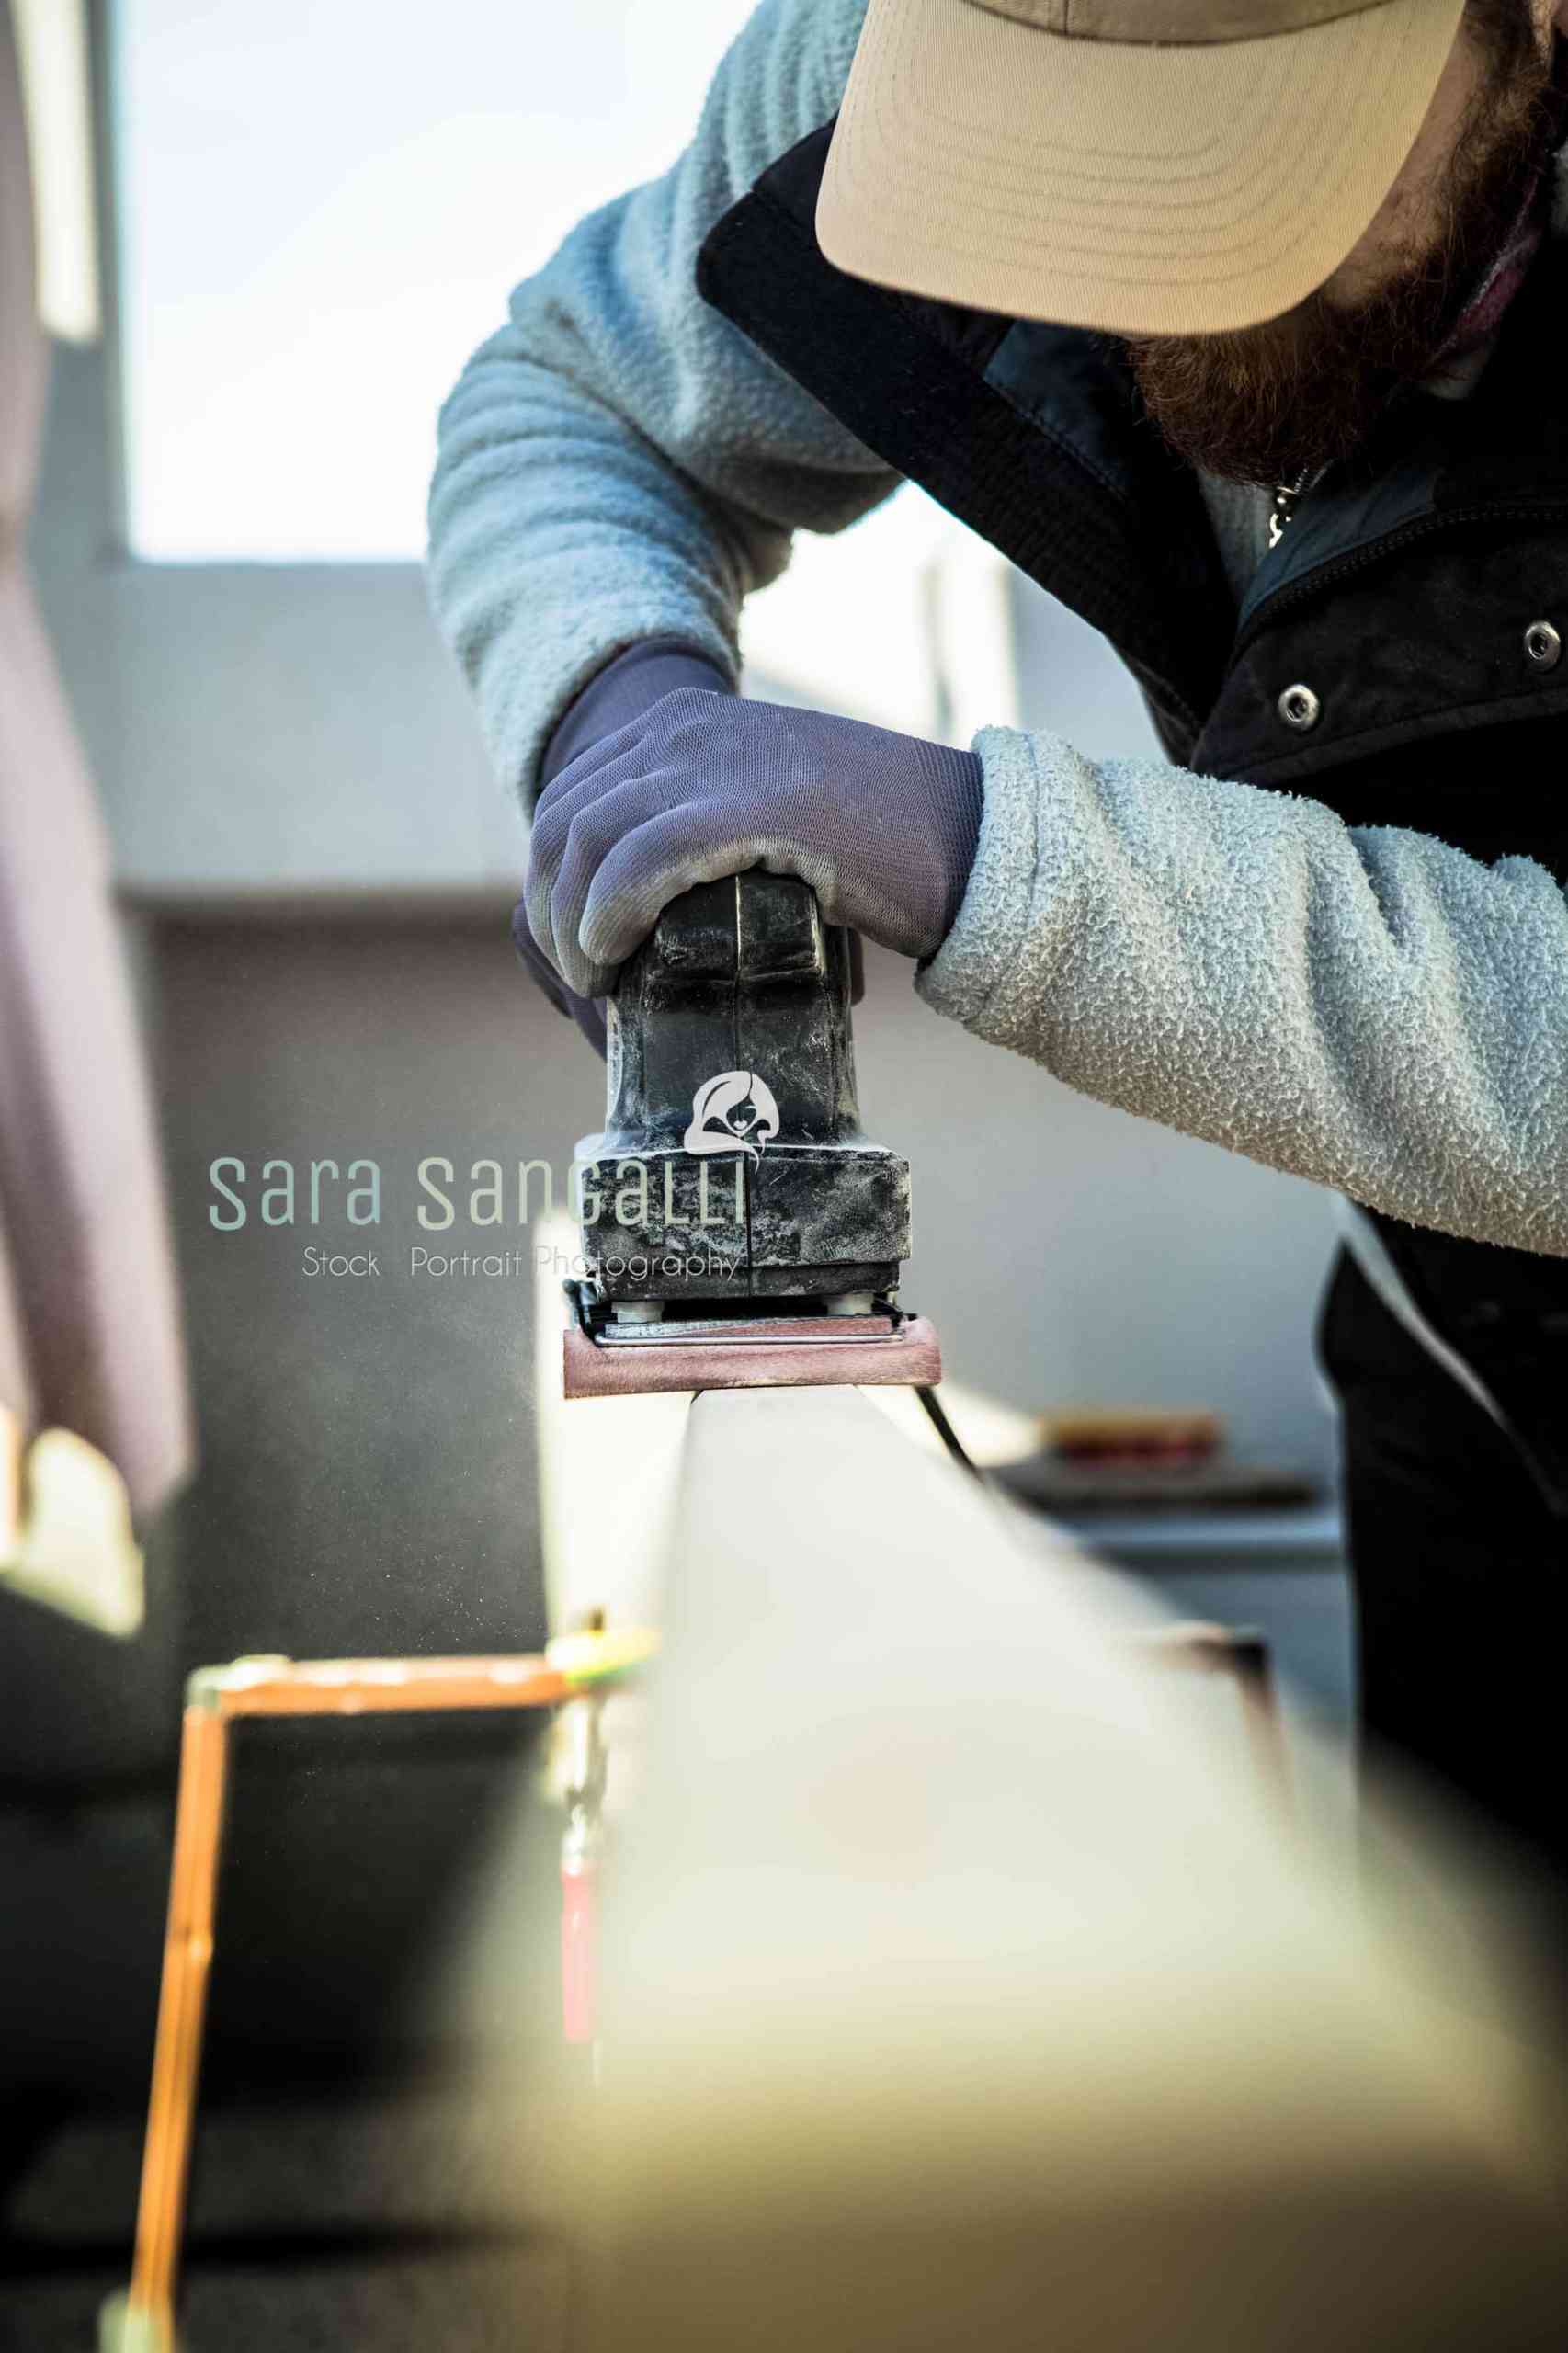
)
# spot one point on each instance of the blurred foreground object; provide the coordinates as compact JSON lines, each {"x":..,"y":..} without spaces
{"x":56,"y":78}
{"x":90,"y":1328}
{"x":957,"y":1992}
{"x":956,"y":1983}
{"x":66,"y":1538}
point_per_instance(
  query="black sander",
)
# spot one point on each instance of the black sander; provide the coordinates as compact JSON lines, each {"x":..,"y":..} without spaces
{"x":739,"y":1230}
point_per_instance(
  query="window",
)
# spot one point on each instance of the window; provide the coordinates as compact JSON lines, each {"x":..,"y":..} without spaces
{"x":321,"y":209}
{"x":322,"y":206}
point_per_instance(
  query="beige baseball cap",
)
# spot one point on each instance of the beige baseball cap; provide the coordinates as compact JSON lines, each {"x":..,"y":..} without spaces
{"x":1147,"y":166}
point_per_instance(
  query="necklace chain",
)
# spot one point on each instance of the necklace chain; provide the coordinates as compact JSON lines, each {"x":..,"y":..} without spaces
{"x":1286,"y":494}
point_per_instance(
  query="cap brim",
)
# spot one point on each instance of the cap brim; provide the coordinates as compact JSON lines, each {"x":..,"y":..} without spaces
{"x":1143,"y":189}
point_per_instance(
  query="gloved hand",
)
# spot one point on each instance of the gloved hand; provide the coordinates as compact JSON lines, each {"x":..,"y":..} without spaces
{"x":621,"y":692}
{"x":702,"y":784}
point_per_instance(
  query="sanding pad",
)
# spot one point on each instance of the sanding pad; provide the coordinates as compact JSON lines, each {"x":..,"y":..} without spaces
{"x":882,"y":1351}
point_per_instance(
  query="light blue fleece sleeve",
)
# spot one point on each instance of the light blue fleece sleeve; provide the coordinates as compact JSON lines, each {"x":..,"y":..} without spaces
{"x":619,"y":461}
{"x":1367,"y":1007}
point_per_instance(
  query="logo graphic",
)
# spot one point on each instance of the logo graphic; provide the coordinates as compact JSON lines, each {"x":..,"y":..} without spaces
{"x":735,"y":1108}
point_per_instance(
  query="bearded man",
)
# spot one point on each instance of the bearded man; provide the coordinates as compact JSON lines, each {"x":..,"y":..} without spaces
{"x":1233,"y":323}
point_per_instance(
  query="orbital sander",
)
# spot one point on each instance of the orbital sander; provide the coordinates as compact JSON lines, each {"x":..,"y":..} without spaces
{"x":739,"y":1230}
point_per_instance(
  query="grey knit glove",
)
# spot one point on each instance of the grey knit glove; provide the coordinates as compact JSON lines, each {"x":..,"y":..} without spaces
{"x":704,"y":784}
{"x":621,"y":693}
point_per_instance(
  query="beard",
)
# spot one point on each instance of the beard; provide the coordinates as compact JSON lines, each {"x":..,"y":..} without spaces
{"x":1259,"y":404}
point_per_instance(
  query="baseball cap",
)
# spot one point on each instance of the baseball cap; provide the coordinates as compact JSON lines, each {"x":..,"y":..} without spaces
{"x":1145,"y":166}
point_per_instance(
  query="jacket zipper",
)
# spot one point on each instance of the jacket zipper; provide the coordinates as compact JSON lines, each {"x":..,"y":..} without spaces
{"x":1285,"y":496}
{"x":1298,"y":592}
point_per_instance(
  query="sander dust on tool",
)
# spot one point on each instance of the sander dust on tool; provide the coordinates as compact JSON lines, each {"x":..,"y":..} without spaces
{"x":739,"y":1231}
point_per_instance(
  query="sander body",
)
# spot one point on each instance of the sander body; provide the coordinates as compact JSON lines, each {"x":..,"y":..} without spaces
{"x":738,"y":1229}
